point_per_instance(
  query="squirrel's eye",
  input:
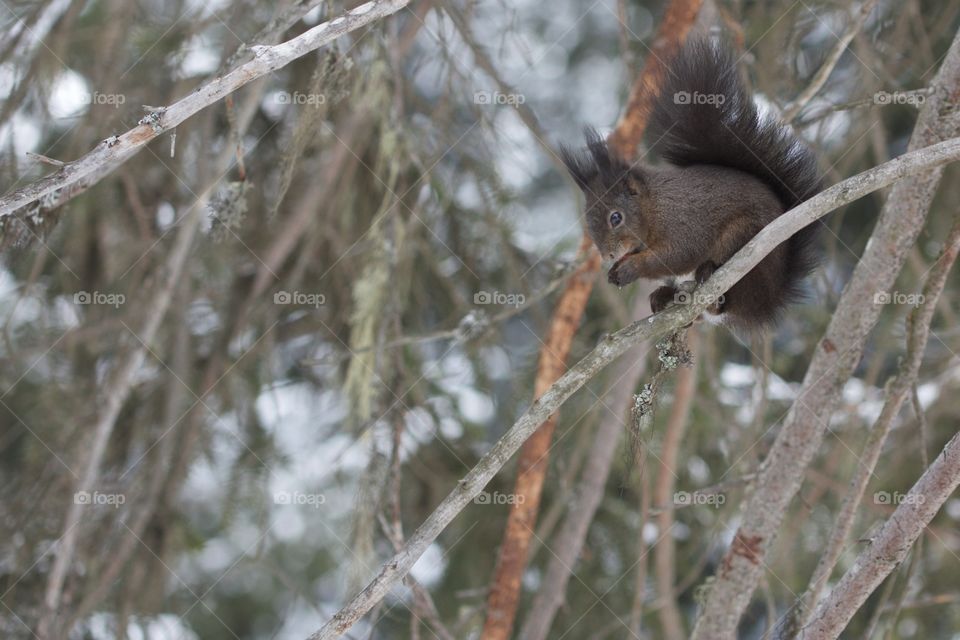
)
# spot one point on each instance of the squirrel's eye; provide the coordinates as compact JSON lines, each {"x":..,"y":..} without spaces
{"x":615,"y":219}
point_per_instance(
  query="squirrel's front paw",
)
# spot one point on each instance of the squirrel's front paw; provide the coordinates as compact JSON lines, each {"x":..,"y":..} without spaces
{"x":624,"y":271}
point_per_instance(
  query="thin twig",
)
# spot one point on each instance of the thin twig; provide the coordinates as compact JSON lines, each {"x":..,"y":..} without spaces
{"x":820,"y":79}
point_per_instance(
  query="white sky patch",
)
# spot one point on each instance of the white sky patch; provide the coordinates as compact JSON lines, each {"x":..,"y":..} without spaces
{"x":419,"y":427}
{"x":69,"y":96}
{"x":274,"y":104}
{"x":25,"y":134}
{"x":866,"y":401}
{"x":532,"y":578}
{"x":199,"y":60}
{"x":698,"y":469}
{"x":475,"y":406}
{"x":161,"y":627}
{"x":205,"y":7}
{"x":288,"y":525}
{"x":742,"y":375}
{"x":601,"y":105}
{"x":300,"y":420}
{"x":456,"y":376}
{"x":953,"y":508}
{"x":8,"y":78}
{"x":166,"y":214}
{"x":216,"y":556}
{"x":650,"y":533}
{"x":680,"y":531}
{"x":202,"y":317}
{"x":313,"y":16}
{"x":451,"y":429}
{"x":497,"y":362}
{"x":467,"y":193}
{"x":553,"y":221}
{"x":928,"y":394}
{"x":28,"y":310}
{"x":520,"y":156}
{"x":429,"y":568}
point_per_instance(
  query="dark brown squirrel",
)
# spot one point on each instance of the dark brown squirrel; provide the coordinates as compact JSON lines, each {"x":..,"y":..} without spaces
{"x":731,"y":173}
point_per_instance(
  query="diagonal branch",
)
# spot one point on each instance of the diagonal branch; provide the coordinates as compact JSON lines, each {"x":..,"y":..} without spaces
{"x":890,"y":546}
{"x":614,"y":345}
{"x":794,"y":108}
{"x":76,"y":177}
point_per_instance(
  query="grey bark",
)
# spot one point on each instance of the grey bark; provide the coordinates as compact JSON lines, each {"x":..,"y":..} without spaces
{"x":890,"y":546}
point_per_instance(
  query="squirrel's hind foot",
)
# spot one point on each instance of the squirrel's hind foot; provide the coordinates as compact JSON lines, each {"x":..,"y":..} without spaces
{"x":662,"y":297}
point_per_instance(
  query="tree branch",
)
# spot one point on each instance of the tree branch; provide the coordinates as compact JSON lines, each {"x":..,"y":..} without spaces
{"x":890,"y":546}
{"x":794,"y":108}
{"x":613,"y":346}
{"x":81,"y":174}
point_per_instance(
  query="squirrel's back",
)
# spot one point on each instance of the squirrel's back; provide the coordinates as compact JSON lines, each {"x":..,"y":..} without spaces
{"x":704,"y":115}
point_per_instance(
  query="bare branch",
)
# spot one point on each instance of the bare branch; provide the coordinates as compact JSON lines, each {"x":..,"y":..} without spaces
{"x":112,"y":398}
{"x":890,"y":546}
{"x":81,"y":174}
{"x":823,"y":73}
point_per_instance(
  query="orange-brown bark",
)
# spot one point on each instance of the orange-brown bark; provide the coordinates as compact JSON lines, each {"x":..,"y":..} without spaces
{"x":534,"y":456}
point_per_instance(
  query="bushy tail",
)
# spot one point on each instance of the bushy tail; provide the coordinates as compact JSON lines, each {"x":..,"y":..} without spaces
{"x":704,"y":115}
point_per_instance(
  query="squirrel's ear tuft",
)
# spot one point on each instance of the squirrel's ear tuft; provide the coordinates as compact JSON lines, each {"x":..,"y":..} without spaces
{"x":581,"y":167}
{"x":610,"y":168}
{"x":598,"y":162}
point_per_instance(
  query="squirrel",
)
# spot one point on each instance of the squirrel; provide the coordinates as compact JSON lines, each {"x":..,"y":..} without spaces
{"x":731,"y":172}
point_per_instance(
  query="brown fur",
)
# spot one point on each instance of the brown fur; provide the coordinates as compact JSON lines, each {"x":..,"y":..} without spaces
{"x":731,"y":174}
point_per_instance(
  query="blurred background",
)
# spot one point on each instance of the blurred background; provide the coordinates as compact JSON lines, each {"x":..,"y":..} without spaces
{"x":385,"y":229}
